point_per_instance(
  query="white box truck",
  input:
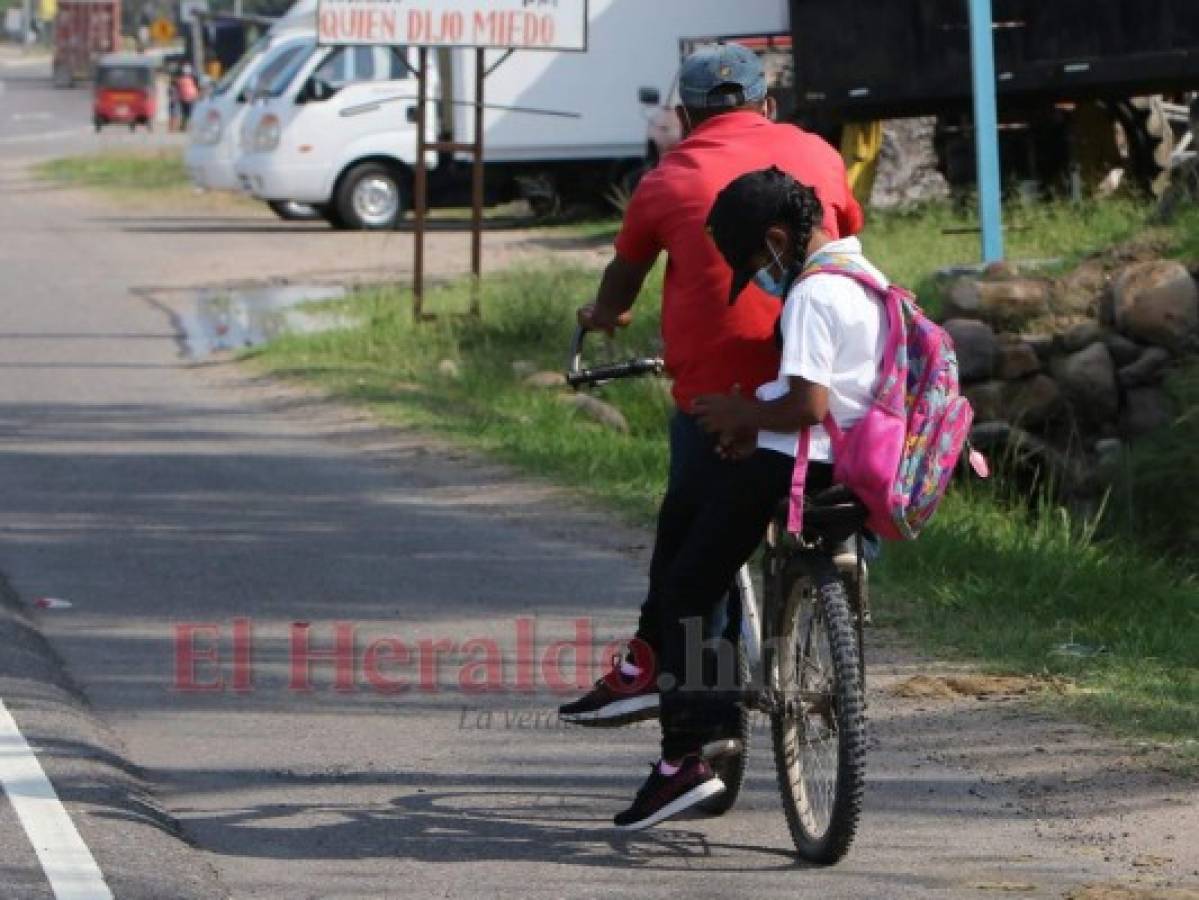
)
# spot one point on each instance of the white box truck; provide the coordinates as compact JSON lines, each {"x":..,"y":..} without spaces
{"x":337,"y":129}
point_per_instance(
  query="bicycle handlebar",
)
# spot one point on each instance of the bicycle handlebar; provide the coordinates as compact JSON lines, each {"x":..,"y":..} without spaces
{"x":577,"y":376}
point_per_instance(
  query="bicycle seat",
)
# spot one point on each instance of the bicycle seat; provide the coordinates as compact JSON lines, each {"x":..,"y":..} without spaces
{"x":832,"y":515}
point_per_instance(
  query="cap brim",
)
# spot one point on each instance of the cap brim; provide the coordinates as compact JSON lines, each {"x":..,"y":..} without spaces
{"x":741,"y":281}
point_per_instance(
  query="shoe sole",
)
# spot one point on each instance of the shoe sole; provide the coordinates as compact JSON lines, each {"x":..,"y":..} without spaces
{"x":622,"y":712}
{"x":696,"y":795}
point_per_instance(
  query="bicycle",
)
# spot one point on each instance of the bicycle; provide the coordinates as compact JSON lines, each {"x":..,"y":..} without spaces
{"x":799,"y":657}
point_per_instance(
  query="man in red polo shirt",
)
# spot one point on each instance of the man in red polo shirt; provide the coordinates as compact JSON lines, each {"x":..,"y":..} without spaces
{"x":710,"y":347}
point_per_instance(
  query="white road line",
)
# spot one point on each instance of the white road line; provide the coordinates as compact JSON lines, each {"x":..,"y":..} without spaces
{"x":68,"y":864}
{"x":45,"y":136}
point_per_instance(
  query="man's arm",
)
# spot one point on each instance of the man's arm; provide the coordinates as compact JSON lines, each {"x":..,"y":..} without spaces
{"x":621,"y":283}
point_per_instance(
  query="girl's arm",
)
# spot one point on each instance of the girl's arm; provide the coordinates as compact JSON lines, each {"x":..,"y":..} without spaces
{"x":804,"y":405}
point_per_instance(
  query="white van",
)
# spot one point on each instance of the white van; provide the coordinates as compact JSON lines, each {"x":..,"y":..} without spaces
{"x":332,"y":129}
{"x":336,"y":130}
{"x":215,"y":127}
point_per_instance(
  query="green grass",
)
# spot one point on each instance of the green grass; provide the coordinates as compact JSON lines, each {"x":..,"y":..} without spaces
{"x":123,"y":171}
{"x":910,"y":247}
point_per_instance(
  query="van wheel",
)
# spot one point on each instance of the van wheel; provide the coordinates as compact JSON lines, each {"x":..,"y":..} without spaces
{"x":370,"y":198}
{"x":290,"y":211}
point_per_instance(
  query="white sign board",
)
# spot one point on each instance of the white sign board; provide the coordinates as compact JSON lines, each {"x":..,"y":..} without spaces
{"x":507,"y":24}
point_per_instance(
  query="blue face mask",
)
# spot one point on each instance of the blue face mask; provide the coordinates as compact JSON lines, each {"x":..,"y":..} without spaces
{"x":777,"y":287}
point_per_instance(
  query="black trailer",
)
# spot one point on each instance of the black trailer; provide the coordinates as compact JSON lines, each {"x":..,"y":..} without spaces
{"x":878,"y":59}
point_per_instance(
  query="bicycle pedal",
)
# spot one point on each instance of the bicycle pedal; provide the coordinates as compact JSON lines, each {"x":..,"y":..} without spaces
{"x":717,"y":749}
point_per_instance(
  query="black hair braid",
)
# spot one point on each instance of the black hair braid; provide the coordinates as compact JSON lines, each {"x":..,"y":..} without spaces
{"x":801,"y":211}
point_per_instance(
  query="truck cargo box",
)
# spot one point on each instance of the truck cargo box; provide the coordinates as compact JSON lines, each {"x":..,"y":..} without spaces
{"x":84,"y":30}
{"x":887,"y":58}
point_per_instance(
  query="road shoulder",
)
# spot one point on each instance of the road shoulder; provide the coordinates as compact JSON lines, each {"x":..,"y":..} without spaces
{"x":106,"y":796}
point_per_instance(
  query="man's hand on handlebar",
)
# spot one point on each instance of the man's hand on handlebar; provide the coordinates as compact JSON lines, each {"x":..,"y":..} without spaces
{"x":592,"y":317}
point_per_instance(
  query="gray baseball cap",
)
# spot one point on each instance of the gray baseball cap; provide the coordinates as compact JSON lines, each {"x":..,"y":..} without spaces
{"x":709,"y":72}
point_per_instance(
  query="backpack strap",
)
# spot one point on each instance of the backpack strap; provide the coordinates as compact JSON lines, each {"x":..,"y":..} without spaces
{"x":891,"y":385}
{"x":799,"y":476}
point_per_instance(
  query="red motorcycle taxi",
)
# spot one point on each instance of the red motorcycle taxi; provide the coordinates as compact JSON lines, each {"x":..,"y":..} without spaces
{"x":124,"y":93}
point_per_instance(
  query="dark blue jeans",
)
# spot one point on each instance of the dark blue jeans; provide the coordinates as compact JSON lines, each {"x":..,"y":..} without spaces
{"x":712,"y":518}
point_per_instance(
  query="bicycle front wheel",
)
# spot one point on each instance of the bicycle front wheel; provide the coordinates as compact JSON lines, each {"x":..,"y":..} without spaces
{"x":819,"y":730}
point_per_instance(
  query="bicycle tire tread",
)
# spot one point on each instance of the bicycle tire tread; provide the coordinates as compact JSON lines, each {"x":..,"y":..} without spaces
{"x":847,"y":804}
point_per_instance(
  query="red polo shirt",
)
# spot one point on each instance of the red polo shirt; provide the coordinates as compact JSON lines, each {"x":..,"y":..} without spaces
{"x":711,"y":346}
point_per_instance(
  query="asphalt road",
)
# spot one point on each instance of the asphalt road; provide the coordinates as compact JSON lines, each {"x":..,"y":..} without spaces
{"x":38,"y":120}
{"x":159,"y":498}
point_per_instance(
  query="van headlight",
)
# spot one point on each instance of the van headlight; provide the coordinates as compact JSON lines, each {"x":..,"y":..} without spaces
{"x":266,"y":135}
{"x":208,"y":131}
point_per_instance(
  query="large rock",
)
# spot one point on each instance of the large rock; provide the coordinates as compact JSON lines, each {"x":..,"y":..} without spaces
{"x":598,"y":411}
{"x":1156,"y":303}
{"x":976,"y":347}
{"x":1109,"y":460}
{"x":1007,"y":303}
{"x":1041,"y":344}
{"x":987,"y":400}
{"x":1080,"y":336}
{"x":1149,"y":368}
{"x":1088,"y":380}
{"x":1078,"y":293}
{"x":1124,"y":351}
{"x":545,"y":380}
{"x":1017,"y":360}
{"x":1032,"y":402}
{"x":1145,"y":410}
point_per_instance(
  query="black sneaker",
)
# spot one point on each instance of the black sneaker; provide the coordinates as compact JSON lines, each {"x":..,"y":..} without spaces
{"x":615,"y":700}
{"x":663,"y":796}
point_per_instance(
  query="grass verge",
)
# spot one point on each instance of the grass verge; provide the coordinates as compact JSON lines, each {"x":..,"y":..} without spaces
{"x":120,"y":171}
{"x":1031,"y":594}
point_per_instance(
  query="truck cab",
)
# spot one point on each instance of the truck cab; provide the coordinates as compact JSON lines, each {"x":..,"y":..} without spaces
{"x":335,"y":129}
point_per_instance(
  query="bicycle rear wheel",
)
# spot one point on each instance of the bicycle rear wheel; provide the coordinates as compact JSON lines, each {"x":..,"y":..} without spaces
{"x":819,"y":733}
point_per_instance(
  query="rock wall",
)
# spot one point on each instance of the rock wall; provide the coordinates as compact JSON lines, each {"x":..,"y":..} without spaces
{"x":1069,"y":370}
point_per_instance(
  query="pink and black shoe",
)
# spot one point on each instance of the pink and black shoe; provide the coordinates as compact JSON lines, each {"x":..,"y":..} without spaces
{"x":663,"y":796}
{"x":617,"y":699}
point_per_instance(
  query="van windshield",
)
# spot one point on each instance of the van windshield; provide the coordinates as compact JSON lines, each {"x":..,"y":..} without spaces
{"x":248,"y":58}
{"x":281,"y":71}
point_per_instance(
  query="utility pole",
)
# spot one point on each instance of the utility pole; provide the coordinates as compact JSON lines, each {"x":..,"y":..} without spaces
{"x":26,"y":21}
{"x":986,"y":128}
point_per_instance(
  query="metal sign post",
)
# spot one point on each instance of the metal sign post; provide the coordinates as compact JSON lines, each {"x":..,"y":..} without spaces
{"x":986,"y":128}
{"x":421,"y":192}
{"x":477,"y":24}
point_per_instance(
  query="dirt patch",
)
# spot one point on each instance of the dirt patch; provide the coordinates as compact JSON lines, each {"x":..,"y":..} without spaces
{"x":1127,"y":892}
{"x":980,"y":687}
{"x":1005,"y":887}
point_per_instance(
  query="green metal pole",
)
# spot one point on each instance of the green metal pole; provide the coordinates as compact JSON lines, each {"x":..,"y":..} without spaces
{"x":986,"y":128}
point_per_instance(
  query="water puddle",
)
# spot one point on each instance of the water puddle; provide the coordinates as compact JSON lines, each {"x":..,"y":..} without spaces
{"x":235,"y":318}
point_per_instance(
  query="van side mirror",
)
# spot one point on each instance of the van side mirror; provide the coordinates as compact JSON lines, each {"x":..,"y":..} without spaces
{"x":650,"y":96}
{"x":315,"y":90}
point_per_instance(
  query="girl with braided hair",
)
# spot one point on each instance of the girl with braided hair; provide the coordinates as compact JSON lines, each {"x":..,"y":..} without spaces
{"x":832,"y":331}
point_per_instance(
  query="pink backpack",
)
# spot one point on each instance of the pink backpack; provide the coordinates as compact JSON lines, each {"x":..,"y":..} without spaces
{"x":899,"y":458}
